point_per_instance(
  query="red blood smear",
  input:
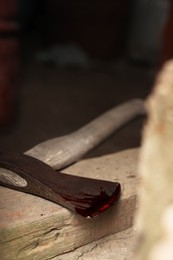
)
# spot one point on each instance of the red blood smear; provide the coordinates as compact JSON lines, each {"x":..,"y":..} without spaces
{"x":100,"y":203}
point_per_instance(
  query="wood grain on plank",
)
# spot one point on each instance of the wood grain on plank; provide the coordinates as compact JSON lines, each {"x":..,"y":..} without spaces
{"x":33,"y":228}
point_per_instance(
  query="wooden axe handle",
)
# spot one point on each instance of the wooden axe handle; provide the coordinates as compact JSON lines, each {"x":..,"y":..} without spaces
{"x":62,"y":151}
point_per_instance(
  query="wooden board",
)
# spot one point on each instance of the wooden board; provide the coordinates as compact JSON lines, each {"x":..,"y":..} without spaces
{"x":33,"y":228}
{"x":119,"y":246}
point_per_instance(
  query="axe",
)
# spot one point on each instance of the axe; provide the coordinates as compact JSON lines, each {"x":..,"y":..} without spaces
{"x":37,"y":170}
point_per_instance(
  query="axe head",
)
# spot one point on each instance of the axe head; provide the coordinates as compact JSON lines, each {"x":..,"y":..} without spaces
{"x":88,"y":197}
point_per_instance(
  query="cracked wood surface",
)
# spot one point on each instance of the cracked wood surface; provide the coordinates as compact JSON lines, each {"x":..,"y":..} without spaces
{"x":33,"y":228}
{"x":119,"y":246}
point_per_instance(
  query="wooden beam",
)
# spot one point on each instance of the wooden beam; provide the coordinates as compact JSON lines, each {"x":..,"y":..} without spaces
{"x":33,"y":228}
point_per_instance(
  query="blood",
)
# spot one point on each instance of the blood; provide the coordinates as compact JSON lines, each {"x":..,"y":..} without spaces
{"x":100,"y":202}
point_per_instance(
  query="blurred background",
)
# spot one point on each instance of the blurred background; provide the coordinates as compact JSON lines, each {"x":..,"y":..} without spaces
{"x":64,"y":62}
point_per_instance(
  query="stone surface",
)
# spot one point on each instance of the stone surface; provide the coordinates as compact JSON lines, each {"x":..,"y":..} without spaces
{"x":33,"y":228}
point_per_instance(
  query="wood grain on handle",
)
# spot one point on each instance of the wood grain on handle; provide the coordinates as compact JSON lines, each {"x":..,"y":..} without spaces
{"x":62,"y":151}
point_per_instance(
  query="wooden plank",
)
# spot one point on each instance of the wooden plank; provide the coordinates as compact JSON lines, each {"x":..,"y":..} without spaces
{"x":33,"y":228}
{"x":119,"y":246}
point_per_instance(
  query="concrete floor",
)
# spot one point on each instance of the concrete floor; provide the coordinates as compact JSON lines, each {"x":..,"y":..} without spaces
{"x":56,"y":101}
